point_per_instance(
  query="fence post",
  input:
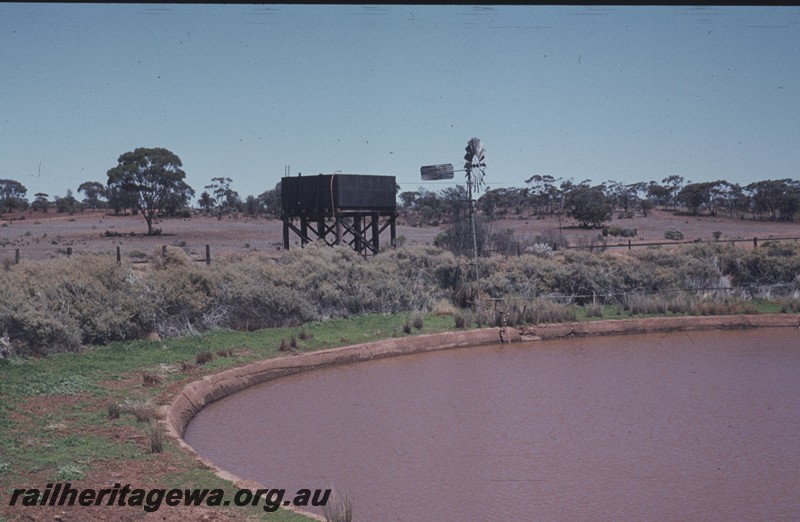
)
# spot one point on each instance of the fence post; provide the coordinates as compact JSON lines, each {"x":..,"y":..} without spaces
{"x":16,"y":256}
{"x":163,"y":250}
{"x":208,"y":254}
{"x":755,"y":242}
{"x":629,"y":244}
{"x":69,"y":251}
{"x":119,"y":256}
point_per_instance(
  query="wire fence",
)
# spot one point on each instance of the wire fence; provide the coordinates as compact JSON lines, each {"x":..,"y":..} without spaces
{"x":766,"y":291}
{"x":630,"y":244}
{"x":143,"y":259}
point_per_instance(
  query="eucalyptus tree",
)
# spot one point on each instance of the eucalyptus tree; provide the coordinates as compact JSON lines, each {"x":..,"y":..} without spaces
{"x":152,"y":177}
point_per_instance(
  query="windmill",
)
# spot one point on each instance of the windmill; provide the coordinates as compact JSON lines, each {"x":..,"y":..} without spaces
{"x":475,"y":168}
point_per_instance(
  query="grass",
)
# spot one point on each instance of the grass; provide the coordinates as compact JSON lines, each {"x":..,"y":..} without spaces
{"x":67,"y":416}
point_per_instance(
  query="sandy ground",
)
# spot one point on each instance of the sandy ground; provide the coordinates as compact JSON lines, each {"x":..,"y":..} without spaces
{"x":43,"y":236}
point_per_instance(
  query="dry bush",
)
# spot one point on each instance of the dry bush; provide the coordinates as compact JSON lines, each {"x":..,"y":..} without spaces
{"x":113,"y":409}
{"x":594,"y":310}
{"x":673,"y":234}
{"x":182,"y":294}
{"x":339,"y":508}
{"x":144,"y":411}
{"x":171,"y":257}
{"x":459,"y":319}
{"x":640,"y":304}
{"x":156,"y":437}
{"x":443,"y":307}
{"x":151,"y":379}
{"x":540,"y":311}
{"x":56,"y":305}
{"x":203,"y":358}
{"x":418,"y":321}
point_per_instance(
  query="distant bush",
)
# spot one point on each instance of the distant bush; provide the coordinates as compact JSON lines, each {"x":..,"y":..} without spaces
{"x":554,"y":238}
{"x":620,"y":232}
{"x":539,"y":250}
{"x":673,"y":234}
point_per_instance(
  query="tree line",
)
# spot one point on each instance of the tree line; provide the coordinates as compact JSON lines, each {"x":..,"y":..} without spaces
{"x":592,"y":205}
{"x":150,"y":182}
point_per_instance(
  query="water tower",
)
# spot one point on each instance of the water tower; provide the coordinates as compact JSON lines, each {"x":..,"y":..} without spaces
{"x":353,"y":209}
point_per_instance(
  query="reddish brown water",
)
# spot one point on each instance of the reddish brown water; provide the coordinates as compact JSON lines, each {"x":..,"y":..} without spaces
{"x":680,"y":426}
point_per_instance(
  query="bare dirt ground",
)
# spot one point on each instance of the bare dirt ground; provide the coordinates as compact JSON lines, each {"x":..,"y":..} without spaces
{"x":651,"y":229}
{"x":43,"y":236}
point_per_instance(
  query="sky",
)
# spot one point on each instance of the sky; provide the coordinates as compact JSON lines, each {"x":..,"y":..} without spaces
{"x":250,"y":92}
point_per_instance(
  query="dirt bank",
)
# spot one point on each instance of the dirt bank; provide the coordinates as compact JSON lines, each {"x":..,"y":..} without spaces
{"x":213,"y":387}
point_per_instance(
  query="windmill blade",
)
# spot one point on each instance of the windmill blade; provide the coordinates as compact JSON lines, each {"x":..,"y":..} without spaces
{"x":477,"y":176}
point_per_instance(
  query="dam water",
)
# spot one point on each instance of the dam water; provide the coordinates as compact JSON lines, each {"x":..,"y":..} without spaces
{"x":677,"y":426}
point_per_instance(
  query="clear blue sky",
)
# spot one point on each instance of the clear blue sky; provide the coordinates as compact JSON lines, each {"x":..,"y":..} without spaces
{"x":602,"y":93}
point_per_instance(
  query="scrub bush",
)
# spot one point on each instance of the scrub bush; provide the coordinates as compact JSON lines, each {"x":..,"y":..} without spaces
{"x":673,"y":234}
{"x":58,"y":305}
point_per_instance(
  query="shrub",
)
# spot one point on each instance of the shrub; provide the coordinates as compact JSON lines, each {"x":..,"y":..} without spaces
{"x":56,"y":305}
{"x":594,"y":310}
{"x":113,"y":410}
{"x":418,"y":321}
{"x":144,"y":411}
{"x":151,"y":379}
{"x":69,"y":473}
{"x":156,"y":437}
{"x":620,"y":232}
{"x":546,"y":311}
{"x":205,"y":357}
{"x":539,"y":250}
{"x":553,"y":238}
{"x":339,"y":508}
{"x":459,"y":320}
{"x":443,"y":307}
{"x":673,"y":234}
